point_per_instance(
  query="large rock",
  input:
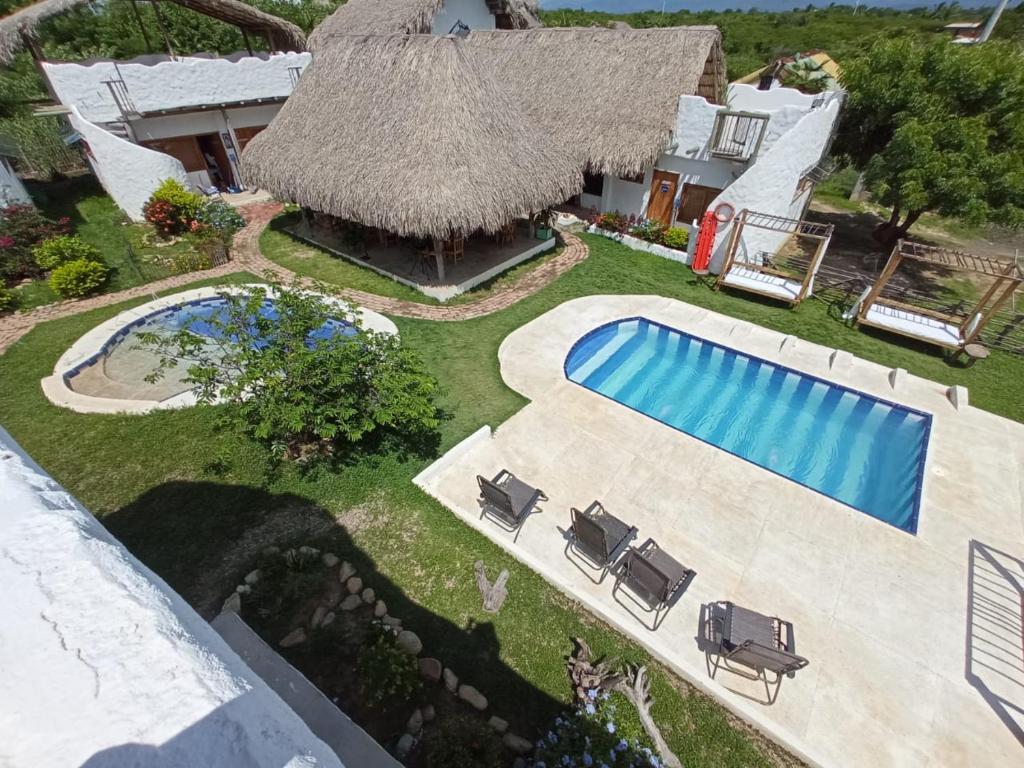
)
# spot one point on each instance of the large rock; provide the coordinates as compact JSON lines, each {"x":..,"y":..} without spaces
{"x":330,"y":559}
{"x":318,"y":617}
{"x":252,"y":577}
{"x":404,"y":746}
{"x":473,"y":697}
{"x":517,"y":744}
{"x":310,"y":551}
{"x":391,"y":621}
{"x":415,"y":722}
{"x":380,"y":610}
{"x":328,"y":619}
{"x":354,"y":585}
{"x":451,"y":680}
{"x":294,"y":637}
{"x":369,"y":596}
{"x":428,"y":713}
{"x":430,"y":669}
{"x":498,"y":724}
{"x":409,"y":642}
{"x":351,"y":602}
{"x":346,"y":571}
{"x":233,"y":603}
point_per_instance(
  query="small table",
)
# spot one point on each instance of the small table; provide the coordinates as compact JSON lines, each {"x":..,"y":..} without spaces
{"x":975,"y":352}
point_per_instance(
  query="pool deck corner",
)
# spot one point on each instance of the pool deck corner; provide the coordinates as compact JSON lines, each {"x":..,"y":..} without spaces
{"x":914,"y":640}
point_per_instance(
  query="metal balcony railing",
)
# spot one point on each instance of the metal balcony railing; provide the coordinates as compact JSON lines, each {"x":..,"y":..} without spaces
{"x":119,"y":91}
{"x":738,"y":135}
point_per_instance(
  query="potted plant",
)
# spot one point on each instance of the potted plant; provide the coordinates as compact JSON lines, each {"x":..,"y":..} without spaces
{"x":542,"y":224}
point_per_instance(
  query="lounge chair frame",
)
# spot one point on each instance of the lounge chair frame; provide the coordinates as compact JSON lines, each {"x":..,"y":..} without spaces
{"x":508,"y":501}
{"x":613,"y":544}
{"x":764,"y":644}
{"x":654,"y":579}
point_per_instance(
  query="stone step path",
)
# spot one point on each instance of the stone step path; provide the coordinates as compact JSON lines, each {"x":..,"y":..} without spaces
{"x":246,"y":256}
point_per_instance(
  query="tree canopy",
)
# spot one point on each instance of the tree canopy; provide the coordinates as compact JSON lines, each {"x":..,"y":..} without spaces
{"x":938,"y":127}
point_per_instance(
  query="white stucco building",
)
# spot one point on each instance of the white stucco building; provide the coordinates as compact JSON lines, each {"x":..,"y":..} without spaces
{"x":104,"y":665}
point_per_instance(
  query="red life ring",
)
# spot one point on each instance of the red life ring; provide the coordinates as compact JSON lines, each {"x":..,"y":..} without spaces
{"x":724,"y":213}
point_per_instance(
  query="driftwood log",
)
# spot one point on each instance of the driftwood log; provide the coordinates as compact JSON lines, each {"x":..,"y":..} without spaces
{"x":493,"y":594}
{"x":632,"y":682}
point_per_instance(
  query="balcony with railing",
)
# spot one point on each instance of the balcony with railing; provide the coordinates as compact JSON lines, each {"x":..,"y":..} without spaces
{"x":738,"y":135}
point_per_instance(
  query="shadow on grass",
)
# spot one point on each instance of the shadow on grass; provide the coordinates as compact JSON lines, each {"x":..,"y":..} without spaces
{"x":203,"y":537}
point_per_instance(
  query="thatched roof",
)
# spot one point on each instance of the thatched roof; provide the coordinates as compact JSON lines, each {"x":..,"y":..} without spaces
{"x":610,"y":96}
{"x":283,"y":35}
{"x":383,"y":17}
{"x":407,"y":133}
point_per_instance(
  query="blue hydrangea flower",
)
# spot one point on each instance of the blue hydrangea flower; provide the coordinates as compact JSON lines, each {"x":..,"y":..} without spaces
{"x":592,"y":693}
{"x":565,"y":760}
{"x":610,"y":726}
{"x":622,"y":745}
{"x":587,"y":759}
{"x":591,"y":709}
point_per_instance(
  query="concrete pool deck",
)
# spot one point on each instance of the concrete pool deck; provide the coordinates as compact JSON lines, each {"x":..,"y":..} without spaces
{"x":914,"y":641}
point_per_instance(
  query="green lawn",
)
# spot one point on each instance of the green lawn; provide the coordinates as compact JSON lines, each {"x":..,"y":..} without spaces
{"x":97,"y":220}
{"x":281,"y":248}
{"x":194,"y":500}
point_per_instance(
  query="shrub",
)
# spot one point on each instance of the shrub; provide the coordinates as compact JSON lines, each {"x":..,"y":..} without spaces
{"x":462,"y":741}
{"x":220,"y":216}
{"x":211,"y":243}
{"x":172,"y":208}
{"x":590,"y":736}
{"x":613,"y":221}
{"x":8,"y":301}
{"x":651,"y":230}
{"x":78,"y":278}
{"x":676,"y":237}
{"x":21,"y":228}
{"x":191,"y":261}
{"x":61,"y":249}
{"x":387,"y":674}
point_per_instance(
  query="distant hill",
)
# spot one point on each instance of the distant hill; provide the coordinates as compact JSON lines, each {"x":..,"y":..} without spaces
{"x":632,"y":6}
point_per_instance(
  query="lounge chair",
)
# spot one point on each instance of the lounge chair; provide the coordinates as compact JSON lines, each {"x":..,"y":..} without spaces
{"x":761,"y":643}
{"x":508,"y":500}
{"x":655,"y":578}
{"x":598,"y":537}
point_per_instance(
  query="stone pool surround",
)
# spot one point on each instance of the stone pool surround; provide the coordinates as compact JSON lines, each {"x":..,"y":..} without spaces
{"x":92,"y":344}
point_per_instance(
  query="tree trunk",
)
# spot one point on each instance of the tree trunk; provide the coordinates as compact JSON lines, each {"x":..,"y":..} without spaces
{"x":887,"y":233}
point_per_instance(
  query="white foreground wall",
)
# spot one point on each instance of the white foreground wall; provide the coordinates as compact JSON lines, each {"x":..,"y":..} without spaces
{"x":129,"y":173}
{"x":184,"y":82}
{"x":11,"y":188}
{"x":104,"y":665}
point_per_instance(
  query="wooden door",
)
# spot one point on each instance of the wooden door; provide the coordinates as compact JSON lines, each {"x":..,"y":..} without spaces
{"x":184,"y":148}
{"x":663,"y":195}
{"x":695,"y":202}
{"x":244,"y":135}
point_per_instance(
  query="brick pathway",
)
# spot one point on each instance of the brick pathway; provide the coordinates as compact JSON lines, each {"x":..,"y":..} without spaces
{"x":246,"y":256}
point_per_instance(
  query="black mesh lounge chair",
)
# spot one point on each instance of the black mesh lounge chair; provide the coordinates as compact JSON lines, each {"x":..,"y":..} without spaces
{"x":761,"y":643}
{"x":598,"y":537}
{"x":508,"y":500}
{"x":654,"y":578}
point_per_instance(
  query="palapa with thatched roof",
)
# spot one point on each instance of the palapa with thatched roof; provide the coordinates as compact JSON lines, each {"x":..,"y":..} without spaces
{"x":407,"y":133}
{"x":282,"y":35}
{"x":410,"y":17}
{"x":608,"y":96}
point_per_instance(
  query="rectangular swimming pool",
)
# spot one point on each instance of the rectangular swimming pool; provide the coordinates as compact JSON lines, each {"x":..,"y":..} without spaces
{"x":852,"y":447}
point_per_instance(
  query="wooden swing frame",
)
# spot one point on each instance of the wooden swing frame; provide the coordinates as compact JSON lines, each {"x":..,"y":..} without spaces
{"x":1007,"y":278}
{"x":821,"y":233}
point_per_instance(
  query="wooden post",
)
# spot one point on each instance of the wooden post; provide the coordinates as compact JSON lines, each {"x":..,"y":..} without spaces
{"x":1011,"y":286}
{"x":439,"y":256}
{"x":248,"y":42}
{"x":730,"y":253}
{"x":142,"y":27}
{"x":883,"y":278}
{"x":32,"y":46}
{"x":812,"y":268}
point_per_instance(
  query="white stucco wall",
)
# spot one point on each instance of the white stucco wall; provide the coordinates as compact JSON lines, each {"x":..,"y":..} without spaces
{"x":129,"y":173}
{"x":209,"y":121}
{"x":11,"y":188}
{"x":185,"y":82}
{"x":769,"y":185}
{"x":472,"y":13}
{"x":104,"y":665}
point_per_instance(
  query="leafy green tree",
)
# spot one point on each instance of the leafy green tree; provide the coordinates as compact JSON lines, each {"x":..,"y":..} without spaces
{"x":938,"y":127}
{"x":290,"y":384}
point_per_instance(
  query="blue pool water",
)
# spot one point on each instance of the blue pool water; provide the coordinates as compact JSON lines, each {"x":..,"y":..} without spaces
{"x":855,"y":448}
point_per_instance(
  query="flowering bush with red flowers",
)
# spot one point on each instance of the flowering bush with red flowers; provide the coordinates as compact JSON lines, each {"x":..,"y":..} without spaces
{"x":163,"y":216}
{"x":22,"y":227}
